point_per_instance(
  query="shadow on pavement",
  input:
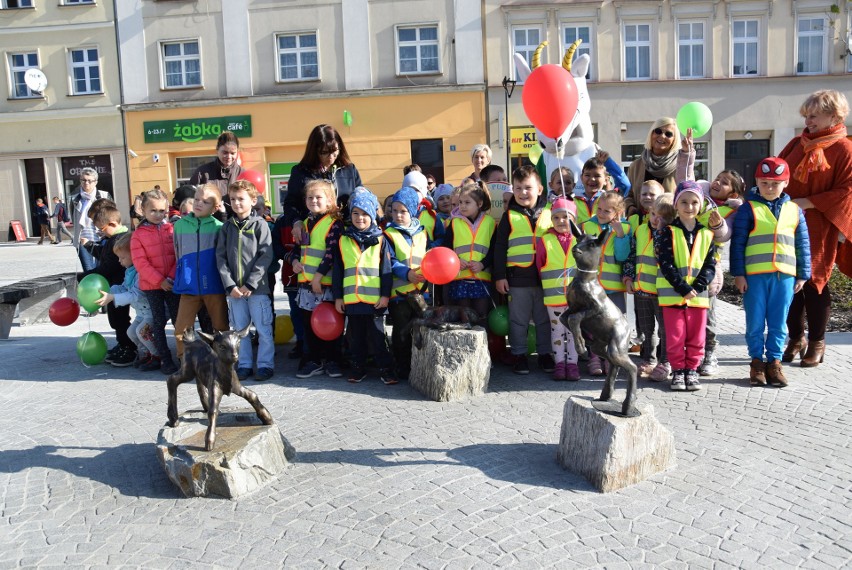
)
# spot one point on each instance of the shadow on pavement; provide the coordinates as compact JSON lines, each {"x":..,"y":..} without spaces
{"x":130,"y":468}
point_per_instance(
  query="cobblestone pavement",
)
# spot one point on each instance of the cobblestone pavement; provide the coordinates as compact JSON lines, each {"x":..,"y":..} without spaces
{"x":384,"y":478}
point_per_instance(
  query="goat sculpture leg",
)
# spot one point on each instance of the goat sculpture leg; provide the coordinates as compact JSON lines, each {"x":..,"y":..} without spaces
{"x":203,"y":395}
{"x":572,"y":323}
{"x":252,"y":399}
{"x":181,"y":376}
{"x":215,"y":397}
{"x":619,"y":359}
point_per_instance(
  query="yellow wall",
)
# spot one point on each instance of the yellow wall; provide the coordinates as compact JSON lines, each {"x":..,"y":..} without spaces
{"x":378,"y":140}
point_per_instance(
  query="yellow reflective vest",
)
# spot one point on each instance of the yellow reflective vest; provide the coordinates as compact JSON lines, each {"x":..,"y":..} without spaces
{"x":361,"y":271}
{"x":689,"y":264}
{"x":584,"y":213}
{"x":609,"y":270}
{"x":646,"y":261}
{"x":411,"y":255}
{"x":472,"y":245}
{"x":427,"y":220}
{"x":771,"y":245}
{"x":313,"y":253}
{"x":521,"y":251}
{"x":557,"y":272}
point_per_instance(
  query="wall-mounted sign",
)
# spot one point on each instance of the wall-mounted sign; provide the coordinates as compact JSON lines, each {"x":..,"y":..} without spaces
{"x":521,"y":139}
{"x":194,"y":130}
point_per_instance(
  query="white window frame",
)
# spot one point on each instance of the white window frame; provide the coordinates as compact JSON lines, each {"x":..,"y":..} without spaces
{"x":182,"y":58}
{"x":418,"y":44}
{"x":22,"y":70}
{"x":527,"y":49}
{"x":585,"y":47}
{"x":86,"y":65}
{"x":692,"y":44}
{"x":823,"y":35}
{"x":637,"y":45}
{"x":745,"y":41}
{"x":4,"y":5}
{"x":299,"y":52}
{"x":77,"y":2}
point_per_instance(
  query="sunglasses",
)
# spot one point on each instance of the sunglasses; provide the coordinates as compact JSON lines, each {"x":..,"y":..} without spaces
{"x":668,"y":134}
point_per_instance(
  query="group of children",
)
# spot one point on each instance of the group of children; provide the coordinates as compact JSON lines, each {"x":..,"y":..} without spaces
{"x":366,"y":263}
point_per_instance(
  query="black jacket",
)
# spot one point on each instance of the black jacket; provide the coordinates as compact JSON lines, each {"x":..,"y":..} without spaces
{"x":345,"y":181}
{"x":108,"y":264}
{"x":664,"y":251}
{"x":517,"y":276}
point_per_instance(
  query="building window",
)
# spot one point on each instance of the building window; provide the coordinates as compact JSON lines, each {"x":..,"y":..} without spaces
{"x":690,"y":49}
{"x":181,"y":64}
{"x":629,"y":153}
{"x":85,"y":71}
{"x":811,"y":45}
{"x":745,"y":38}
{"x":525,"y":40}
{"x":637,"y":51}
{"x":573,"y":32}
{"x":19,"y":63}
{"x":702,"y":160}
{"x":187,"y":165}
{"x":298,"y":59}
{"x":417,"y":50}
{"x":75,"y":2}
{"x":429,"y":155}
{"x":16,"y":4}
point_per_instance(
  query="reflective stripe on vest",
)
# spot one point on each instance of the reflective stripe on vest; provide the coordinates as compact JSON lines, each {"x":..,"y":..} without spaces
{"x":584,"y":214}
{"x":409,"y":255}
{"x":361,"y":272}
{"x":688,"y":263}
{"x":313,"y":253}
{"x":558,"y":271}
{"x":427,"y":220}
{"x":521,"y":251}
{"x":609,"y":270}
{"x":472,"y":246}
{"x":646,"y":261}
{"x":771,"y":245}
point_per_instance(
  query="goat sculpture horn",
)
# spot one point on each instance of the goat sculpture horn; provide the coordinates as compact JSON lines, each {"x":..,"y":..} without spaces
{"x":569,"y":54}
{"x":536,"y":58}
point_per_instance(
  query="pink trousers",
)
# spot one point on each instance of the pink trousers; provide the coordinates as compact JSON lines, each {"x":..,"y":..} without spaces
{"x":685,"y":335}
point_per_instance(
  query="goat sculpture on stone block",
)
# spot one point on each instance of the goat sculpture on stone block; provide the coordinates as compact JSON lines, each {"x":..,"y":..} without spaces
{"x":210,"y":360}
{"x":591,"y":311}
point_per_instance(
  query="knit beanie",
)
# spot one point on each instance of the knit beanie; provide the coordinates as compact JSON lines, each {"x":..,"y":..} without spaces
{"x":442,"y":190}
{"x":688,"y":186}
{"x":416,"y":180}
{"x":409,"y":198}
{"x":365,"y":201}
{"x":564,"y":205}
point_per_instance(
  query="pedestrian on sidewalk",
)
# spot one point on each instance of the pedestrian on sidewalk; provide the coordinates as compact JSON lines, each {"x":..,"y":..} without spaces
{"x":60,"y":212}
{"x":43,"y":216}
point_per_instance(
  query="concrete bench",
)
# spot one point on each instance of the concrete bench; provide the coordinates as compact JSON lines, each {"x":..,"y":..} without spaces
{"x":30,"y":300}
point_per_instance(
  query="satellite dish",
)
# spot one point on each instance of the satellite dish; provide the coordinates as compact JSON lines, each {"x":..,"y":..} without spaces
{"x":35,"y":80}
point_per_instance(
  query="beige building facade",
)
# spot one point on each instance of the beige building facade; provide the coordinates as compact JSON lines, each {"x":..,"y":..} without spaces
{"x":752,"y":62}
{"x":73,"y":122}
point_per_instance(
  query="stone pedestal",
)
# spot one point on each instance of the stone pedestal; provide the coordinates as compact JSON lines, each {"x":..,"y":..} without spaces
{"x":452,"y":365}
{"x":247,"y":454}
{"x":610,"y":451}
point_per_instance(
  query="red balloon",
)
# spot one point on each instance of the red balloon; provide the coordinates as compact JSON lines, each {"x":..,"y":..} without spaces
{"x":550,"y":99}
{"x":326,"y":322}
{"x":256,"y":178}
{"x":64,"y":311}
{"x":440,"y":265}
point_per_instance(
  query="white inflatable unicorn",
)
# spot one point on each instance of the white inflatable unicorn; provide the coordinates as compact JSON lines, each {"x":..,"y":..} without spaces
{"x":576,"y":145}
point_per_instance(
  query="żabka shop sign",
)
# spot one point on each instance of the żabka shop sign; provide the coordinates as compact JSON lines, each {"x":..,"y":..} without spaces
{"x":194,"y":130}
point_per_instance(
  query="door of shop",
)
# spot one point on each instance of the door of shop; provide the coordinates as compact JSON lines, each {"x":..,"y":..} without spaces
{"x":36,"y":188}
{"x":743,"y":156}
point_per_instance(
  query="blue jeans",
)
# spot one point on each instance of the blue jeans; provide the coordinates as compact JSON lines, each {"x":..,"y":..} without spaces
{"x":87,"y":260}
{"x":767,"y":302}
{"x":257,"y":309}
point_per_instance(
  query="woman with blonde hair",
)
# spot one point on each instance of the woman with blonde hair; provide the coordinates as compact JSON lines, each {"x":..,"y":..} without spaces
{"x":480,"y":157}
{"x":658,"y":161}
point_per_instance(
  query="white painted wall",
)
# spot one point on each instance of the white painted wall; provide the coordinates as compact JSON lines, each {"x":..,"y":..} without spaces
{"x":357,"y":66}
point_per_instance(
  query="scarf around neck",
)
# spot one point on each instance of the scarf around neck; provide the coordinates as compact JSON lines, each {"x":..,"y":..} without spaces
{"x":815,"y":145}
{"x":660,"y":166}
{"x":366,"y":238}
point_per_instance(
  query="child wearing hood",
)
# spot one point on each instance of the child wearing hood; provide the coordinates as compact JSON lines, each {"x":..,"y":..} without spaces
{"x":408,"y":243}
{"x":425,"y":213}
{"x":361,"y":283}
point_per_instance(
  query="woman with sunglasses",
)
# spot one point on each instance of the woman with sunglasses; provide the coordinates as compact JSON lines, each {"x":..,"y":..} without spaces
{"x":657,"y":162}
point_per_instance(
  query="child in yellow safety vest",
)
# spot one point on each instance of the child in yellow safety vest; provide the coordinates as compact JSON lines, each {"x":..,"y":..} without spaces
{"x":770,"y":262}
{"x":312,"y":263}
{"x":361,"y":284}
{"x":555,"y":262}
{"x":610,"y":208}
{"x":686,"y":259}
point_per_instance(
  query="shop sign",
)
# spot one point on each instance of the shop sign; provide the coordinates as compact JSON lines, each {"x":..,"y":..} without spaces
{"x":521,"y":140}
{"x":194,"y":130}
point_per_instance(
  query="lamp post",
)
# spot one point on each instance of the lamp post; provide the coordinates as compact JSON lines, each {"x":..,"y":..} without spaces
{"x":508,"y":89}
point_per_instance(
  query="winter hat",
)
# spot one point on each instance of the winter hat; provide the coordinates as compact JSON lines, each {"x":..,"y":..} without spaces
{"x":773,"y":168}
{"x":442,"y":190}
{"x":365,"y":201}
{"x":688,"y":186}
{"x":564,"y":205}
{"x":409,"y":198}
{"x":416,"y":180}
{"x":182,"y":193}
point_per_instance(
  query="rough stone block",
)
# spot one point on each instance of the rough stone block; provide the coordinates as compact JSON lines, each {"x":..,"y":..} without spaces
{"x":611,"y":451}
{"x":452,"y":364}
{"x":247,"y":455}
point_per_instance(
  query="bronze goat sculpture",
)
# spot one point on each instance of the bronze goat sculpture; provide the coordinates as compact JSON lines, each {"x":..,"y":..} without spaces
{"x":442,"y":318}
{"x":591,"y":311}
{"x":210,"y":360}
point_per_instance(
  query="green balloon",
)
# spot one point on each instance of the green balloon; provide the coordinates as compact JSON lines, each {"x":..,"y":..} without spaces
{"x":498,"y":320}
{"x":695,"y":116}
{"x":531,"y":344}
{"x":91,"y":348}
{"x":89,"y":291}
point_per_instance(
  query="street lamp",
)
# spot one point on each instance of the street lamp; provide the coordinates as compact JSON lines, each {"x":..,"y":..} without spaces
{"x":508,"y":89}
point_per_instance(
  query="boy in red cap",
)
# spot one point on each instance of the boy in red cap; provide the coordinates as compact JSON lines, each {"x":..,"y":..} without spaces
{"x":770,"y":261}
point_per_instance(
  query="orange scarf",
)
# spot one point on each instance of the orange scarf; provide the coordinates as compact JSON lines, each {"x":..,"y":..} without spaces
{"x":814,"y":160}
